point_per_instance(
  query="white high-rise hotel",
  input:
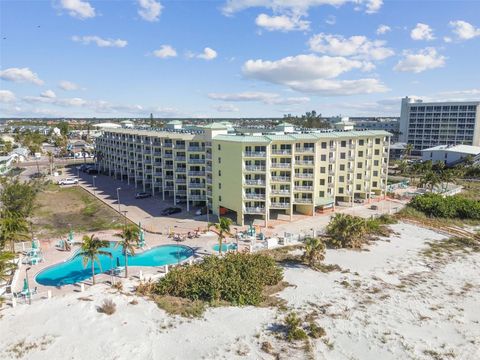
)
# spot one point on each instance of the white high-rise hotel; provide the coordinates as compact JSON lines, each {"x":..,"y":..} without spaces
{"x":439,"y":123}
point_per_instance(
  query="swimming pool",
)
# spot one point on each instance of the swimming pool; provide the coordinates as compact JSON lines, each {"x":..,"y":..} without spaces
{"x":225,"y":247}
{"x":73,"y":271}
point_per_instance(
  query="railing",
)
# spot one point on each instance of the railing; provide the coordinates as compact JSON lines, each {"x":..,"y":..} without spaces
{"x":281,"y":165}
{"x":168,"y":188}
{"x":254,"y":210}
{"x":197,"y":197}
{"x":331,"y":185}
{"x":281,"y":179}
{"x":280,"y":192}
{"x":304,"y":175}
{"x":209,"y":193}
{"x":209,"y":156}
{"x":254,"y":168}
{"x":209,"y":180}
{"x":167,"y":145}
{"x":168,"y":156}
{"x":196,"y":185}
{"x":180,"y":158}
{"x":304,"y":162}
{"x":180,"y":147}
{"x":181,"y":192}
{"x":181,"y":181}
{"x":304,"y":188}
{"x":255,"y":182}
{"x":255,"y":154}
{"x":281,"y":152}
{"x":279,"y":205}
{"x":303,"y":201}
{"x":168,"y":177}
{"x":208,"y":168}
{"x":196,"y":148}
{"x":255,"y":196}
{"x":181,"y":170}
{"x":168,"y":167}
{"x":196,"y":173}
{"x":196,"y":161}
{"x":331,"y":160}
{"x":305,"y":150}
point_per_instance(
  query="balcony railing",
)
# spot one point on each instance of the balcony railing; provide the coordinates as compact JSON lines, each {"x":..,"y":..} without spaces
{"x":331,"y":160}
{"x":255,"y":154}
{"x":196,"y":161}
{"x":304,"y":175}
{"x":197,"y":197}
{"x":255,"y":182}
{"x":209,"y":156}
{"x":254,"y":210}
{"x":180,"y":158}
{"x":281,"y":178}
{"x":196,"y":173}
{"x":304,"y":162}
{"x":279,"y":205}
{"x":168,"y":167}
{"x":196,"y":185}
{"x":303,"y":201}
{"x":254,"y":168}
{"x":281,"y":165}
{"x":280,"y":192}
{"x":196,"y":148}
{"x":181,"y":170}
{"x":168,"y":156}
{"x":255,"y":196}
{"x":281,"y":152}
{"x":303,"y":188}
{"x":181,"y":181}
{"x":305,"y":150}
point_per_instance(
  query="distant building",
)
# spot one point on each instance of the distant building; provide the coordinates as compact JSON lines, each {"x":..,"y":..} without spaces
{"x":397,"y":150}
{"x":390,"y":124}
{"x":425,"y":125}
{"x":450,"y":155}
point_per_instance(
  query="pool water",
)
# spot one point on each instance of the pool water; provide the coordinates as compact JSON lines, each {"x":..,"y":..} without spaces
{"x":73,"y":271}
{"x":225,"y":247}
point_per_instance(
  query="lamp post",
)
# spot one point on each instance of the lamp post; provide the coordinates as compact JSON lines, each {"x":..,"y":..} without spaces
{"x":93,"y":178}
{"x":118,"y":198}
{"x":28,"y":287}
{"x":124,"y":212}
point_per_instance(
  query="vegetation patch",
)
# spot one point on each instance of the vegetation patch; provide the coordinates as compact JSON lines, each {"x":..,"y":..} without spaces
{"x":23,"y":347}
{"x":449,"y":207}
{"x":439,"y":249}
{"x":108,"y":307}
{"x":180,"y":306}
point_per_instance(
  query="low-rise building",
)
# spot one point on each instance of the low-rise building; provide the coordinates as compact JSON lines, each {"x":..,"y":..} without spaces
{"x":450,"y":154}
{"x":249,"y":177}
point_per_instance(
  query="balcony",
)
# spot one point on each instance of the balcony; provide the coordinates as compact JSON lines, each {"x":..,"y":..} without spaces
{"x":278,"y":205}
{"x":180,"y":158}
{"x":168,"y":188}
{"x":304,"y":162}
{"x":168,"y":177}
{"x":181,"y":170}
{"x":209,"y":156}
{"x":331,"y":185}
{"x":285,"y":179}
{"x":331,"y":160}
{"x":258,"y":182}
{"x":254,"y":210}
{"x":196,"y":161}
{"x":208,"y":168}
{"x":181,"y":181}
{"x":197,"y":197}
{"x":281,"y":152}
{"x":255,"y":154}
{"x":181,"y":192}
{"x":254,"y":196}
{"x":331,"y":172}
{"x":280,"y":192}
{"x":281,"y":165}
{"x":180,"y":147}
{"x":196,"y":149}
{"x":255,"y":168}
{"x":305,"y":150}
{"x":196,"y":173}
{"x":196,"y":185}
{"x":303,"y":188}
{"x":304,"y":175}
{"x":351,"y":146}
{"x":209,"y":181}
{"x":209,"y":193}
{"x":303,"y":201}
{"x":168,"y":167}
{"x":167,"y":156}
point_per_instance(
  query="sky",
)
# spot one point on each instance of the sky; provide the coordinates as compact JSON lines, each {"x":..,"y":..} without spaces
{"x":234,"y":58}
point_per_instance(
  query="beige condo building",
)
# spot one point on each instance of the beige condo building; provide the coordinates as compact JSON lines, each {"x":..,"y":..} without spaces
{"x":249,"y":176}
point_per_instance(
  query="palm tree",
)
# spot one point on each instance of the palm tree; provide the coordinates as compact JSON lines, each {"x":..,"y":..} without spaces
{"x":6,"y":264}
{"x":50,"y":161}
{"x":91,"y":249}
{"x":447,"y":176}
{"x":408,"y":150}
{"x":314,"y":251}
{"x":13,"y":227}
{"x":129,"y":238}
{"x":222,"y":229}
{"x":429,"y":180}
{"x":346,"y":231}
{"x":402,"y":166}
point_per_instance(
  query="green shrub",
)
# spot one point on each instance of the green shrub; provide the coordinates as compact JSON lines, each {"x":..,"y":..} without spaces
{"x":449,"y":207}
{"x":294,"y":331}
{"x":237,"y":278}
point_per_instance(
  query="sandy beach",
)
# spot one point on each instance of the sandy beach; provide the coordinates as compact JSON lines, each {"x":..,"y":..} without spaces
{"x":388,"y":302}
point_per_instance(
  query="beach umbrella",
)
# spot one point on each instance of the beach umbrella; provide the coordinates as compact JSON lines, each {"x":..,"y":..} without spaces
{"x":25,"y":285}
{"x":70,"y":236}
{"x":34,"y":244}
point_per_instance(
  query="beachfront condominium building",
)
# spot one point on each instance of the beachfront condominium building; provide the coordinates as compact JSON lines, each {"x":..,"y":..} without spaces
{"x":249,"y":176}
{"x":426,"y":125}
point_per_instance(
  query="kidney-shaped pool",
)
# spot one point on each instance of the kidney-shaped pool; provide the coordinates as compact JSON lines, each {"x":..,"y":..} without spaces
{"x":72,"y":270}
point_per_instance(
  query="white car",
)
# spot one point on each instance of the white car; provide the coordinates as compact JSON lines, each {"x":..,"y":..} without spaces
{"x":68,"y":181}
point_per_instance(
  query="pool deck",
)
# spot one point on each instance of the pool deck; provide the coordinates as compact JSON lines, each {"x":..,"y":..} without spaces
{"x":52,"y":256}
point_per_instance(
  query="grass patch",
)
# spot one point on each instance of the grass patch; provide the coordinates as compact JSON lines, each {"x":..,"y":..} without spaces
{"x":23,"y":347}
{"x":439,"y":249}
{"x":57,"y":207}
{"x":180,"y":306}
{"x":108,"y":307}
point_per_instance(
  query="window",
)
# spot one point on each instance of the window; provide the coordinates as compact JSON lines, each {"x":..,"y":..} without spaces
{"x":324,"y":145}
{"x":343,"y":144}
{"x":219,"y":172}
{"x":361,"y":142}
{"x":219,"y":198}
{"x":360,"y":153}
{"x":375,"y":173}
{"x":322,"y":170}
{"x":341,"y":178}
{"x":377,"y":141}
{"x":219,"y":185}
{"x":343,"y":155}
{"x":321,"y":194}
{"x":359,"y":176}
{"x":340,"y":190}
{"x":322,"y":181}
{"x":219,"y":160}
{"x":342,"y":167}
{"x":219,"y":147}
{"x":377,"y":152}
{"x":374,"y":184}
{"x":323,"y":157}
{"x":359,"y":165}
{"x":358,"y":187}
{"x":375,"y":162}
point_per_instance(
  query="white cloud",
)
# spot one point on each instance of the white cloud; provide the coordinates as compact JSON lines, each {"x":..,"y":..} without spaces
{"x":6,"y":96}
{"x":48,"y":94}
{"x":68,"y":85}
{"x":150,"y":10}
{"x":264,"y":97}
{"x":464,"y":30}
{"x":383,"y":29}
{"x":76,"y":102}
{"x":208,"y":54}
{"x":355,"y":46}
{"x":78,"y":8}
{"x":313,"y":74}
{"x":281,"y":23}
{"x":226,"y":108}
{"x":165,"y":51}
{"x":298,"y":7}
{"x":425,"y":59}
{"x":422,"y":32}
{"x":447,"y":39}
{"x":331,"y":20}
{"x":100,"y":42}
{"x":20,"y":75}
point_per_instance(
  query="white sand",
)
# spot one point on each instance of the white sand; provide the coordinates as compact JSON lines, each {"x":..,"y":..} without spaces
{"x":392,"y":304}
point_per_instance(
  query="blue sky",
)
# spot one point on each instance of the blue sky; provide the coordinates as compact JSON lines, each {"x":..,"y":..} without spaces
{"x":234,"y":58}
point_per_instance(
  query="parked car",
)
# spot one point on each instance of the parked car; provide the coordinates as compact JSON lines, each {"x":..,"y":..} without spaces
{"x":92,"y":171}
{"x":68,"y":181}
{"x":373,"y":207}
{"x":202,"y":211}
{"x":142,"y":195}
{"x":358,"y":201}
{"x":171,"y":211}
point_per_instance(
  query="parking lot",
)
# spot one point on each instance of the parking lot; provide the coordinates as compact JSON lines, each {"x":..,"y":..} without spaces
{"x":146,"y":211}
